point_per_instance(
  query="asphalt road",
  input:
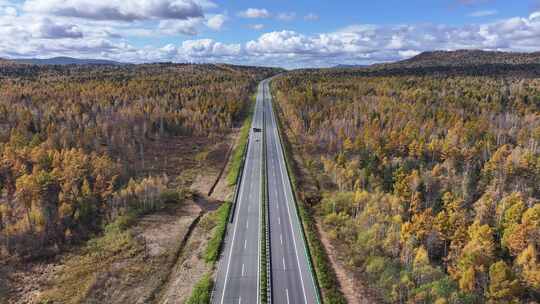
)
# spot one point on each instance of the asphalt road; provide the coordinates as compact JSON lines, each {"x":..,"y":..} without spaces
{"x":292,"y":279}
{"x":238,"y":272}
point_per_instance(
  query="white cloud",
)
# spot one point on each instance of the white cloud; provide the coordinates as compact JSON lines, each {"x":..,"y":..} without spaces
{"x":189,"y":27}
{"x":51,"y":30}
{"x":36,"y":33}
{"x":126,"y":10}
{"x":408,"y":53}
{"x":484,"y":13}
{"x":209,"y":49}
{"x":370,"y":43}
{"x":216,"y":22}
{"x":254,"y":13}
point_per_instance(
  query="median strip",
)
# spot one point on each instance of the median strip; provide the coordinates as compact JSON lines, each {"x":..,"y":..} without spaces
{"x":265,"y":261}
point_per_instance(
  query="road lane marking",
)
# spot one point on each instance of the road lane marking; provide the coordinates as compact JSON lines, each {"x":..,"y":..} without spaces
{"x":247,"y":224}
{"x":240,"y":300}
{"x":242,"y":269}
{"x":284,"y":267}
{"x":245,"y":244}
{"x":287,"y":293}
{"x":279,"y":221}
{"x":281,"y":238}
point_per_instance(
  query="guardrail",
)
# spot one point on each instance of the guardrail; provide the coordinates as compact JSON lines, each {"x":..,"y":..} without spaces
{"x":306,"y":245}
{"x":266,"y":259}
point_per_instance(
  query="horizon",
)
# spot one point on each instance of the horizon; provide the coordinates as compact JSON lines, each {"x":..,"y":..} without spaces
{"x":263,"y":33}
{"x":247,"y":65}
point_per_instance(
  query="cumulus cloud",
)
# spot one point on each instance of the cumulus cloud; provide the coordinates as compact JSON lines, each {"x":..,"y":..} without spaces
{"x":371,"y":43}
{"x":51,"y":30}
{"x":254,"y":13}
{"x":38,"y":33}
{"x":189,"y":27}
{"x":216,"y":22}
{"x":209,"y":49}
{"x":124,"y":10}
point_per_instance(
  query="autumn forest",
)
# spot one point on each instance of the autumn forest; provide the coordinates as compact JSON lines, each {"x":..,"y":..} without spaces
{"x":424,"y":179}
{"x":427,"y":182}
{"x":79,"y":144}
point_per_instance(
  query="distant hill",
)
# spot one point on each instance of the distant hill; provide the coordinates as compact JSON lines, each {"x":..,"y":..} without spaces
{"x":65,"y":61}
{"x":448,"y":63}
{"x":350,"y":66}
{"x":465,"y":58}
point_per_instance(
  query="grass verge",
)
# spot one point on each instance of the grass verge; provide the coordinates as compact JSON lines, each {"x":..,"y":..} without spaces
{"x":211,"y":254}
{"x":202,"y":291}
{"x":238,"y":152}
{"x":324,"y":273}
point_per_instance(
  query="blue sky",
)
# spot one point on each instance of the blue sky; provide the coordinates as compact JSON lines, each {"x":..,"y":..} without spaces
{"x":279,"y":33}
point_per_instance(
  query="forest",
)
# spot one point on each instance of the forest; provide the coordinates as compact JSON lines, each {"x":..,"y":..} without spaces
{"x":79,"y":144}
{"x":427,"y":184}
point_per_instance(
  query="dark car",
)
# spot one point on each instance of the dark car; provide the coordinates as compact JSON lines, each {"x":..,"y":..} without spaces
{"x":257,"y":129}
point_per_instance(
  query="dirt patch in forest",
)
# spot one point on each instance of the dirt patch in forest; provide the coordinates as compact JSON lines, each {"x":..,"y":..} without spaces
{"x":352,"y":286}
{"x":213,"y":179}
{"x":126,"y":267}
{"x":189,"y":269}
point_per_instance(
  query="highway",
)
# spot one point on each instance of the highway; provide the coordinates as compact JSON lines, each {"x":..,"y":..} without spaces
{"x":292,"y":279}
{"x":238,"y":273}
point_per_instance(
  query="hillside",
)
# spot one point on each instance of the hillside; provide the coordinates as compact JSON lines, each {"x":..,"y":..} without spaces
{"x":463,"y":58}
{"x":450,"y":63}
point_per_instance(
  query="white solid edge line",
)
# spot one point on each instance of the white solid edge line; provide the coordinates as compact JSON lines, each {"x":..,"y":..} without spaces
{"x":288,"y":207}
{"x":234,"y":231}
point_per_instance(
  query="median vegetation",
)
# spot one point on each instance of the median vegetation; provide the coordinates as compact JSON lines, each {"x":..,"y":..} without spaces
{"x":325,"y":276}
{"x":202,"y":291}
